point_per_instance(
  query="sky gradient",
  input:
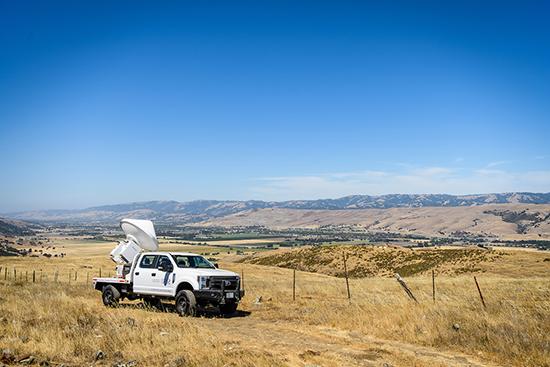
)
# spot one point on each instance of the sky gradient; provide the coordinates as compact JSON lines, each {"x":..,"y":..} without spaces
{"x":109,"y":102}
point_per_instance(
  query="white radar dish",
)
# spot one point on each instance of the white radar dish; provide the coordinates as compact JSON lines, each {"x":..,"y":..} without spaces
{"x":142,"y":232}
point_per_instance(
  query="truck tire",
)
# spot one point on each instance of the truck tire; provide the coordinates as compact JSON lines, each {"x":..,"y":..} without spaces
{"x":110,"y":296}
{"x":228,"y":308}
{"x":186,"y":304}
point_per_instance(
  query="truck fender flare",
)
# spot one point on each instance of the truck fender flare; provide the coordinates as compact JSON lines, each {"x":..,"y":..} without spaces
{"x":184,"y":285}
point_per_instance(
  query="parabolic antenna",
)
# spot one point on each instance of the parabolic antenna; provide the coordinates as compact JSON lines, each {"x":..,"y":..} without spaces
{"x":142,"y":232}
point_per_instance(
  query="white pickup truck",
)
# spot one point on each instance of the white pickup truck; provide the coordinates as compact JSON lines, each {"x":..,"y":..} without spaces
{"x":189,"y":279}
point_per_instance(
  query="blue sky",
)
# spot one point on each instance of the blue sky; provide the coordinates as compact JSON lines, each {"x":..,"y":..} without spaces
{"x":108,"y":102}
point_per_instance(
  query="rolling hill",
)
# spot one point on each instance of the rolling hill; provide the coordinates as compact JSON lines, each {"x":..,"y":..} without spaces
{"x":10,"y":227}
{"x":494,"y":220}
{"x":174,"y":212}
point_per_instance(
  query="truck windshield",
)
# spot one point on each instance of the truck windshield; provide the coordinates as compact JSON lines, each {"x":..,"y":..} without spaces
{"x":190,"y":261}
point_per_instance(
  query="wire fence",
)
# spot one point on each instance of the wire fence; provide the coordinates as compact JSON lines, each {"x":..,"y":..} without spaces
{"x":23,"y":274}
{"x":33,"y":275}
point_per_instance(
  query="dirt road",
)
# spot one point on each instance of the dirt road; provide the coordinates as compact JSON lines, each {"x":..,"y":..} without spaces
{"x":300,"y":345}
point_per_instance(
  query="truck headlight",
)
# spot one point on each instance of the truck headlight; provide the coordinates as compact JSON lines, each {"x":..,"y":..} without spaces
{"x":204,"y":282}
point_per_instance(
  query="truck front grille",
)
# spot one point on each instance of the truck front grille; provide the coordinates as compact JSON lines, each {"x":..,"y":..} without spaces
{"x":227,"y":283}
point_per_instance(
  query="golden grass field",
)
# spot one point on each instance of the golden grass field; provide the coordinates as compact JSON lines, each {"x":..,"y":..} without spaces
{"x":67,"y":323}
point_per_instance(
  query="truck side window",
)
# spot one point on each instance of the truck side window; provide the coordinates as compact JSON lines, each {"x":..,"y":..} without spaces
{"x":148,"y":261}
{"x":163,"y":260}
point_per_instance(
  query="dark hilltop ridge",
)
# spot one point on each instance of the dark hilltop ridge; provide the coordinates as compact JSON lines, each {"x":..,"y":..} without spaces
{"x":204,"y":210}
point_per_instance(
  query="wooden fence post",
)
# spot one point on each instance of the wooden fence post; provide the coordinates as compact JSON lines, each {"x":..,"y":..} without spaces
{"x":33,"y":276}
{"x":100,"y":272}
{"x":75,"y":275}
{"x":405,"y":287}
{"x":433,"y":285}
{"x":242,"y":279}
{"x":14,"y":275}
{"x":6,"y":273}
{"x":480,"y":294}
{"x":294,"y":285}
{"x":26,"y":275}
{"x":346,"y":274}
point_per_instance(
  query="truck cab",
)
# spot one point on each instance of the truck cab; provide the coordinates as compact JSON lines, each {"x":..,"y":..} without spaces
{"x":189,"y":279}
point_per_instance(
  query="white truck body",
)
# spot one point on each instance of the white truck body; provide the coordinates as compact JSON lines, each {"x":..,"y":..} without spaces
{"x":152,"y":276}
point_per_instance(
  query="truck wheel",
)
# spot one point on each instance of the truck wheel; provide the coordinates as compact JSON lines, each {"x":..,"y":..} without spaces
{"x":228,"y":308}
{"x":186,"y":304}
{"x":110,"y":296}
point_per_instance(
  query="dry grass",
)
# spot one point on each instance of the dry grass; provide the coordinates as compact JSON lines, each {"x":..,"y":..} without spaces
{"x":513,"y":329}
{"x":67,"y":323}
{"x":367,"y":261}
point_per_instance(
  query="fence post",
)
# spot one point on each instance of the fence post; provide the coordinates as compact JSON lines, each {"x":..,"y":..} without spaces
{"x":26,"y":275}
{"x":433,"y":285}
{"x":242,"y":279}
{"x":480,"y":294}
{"x":33,"y":276}
{"x":405,"y":287}
{"x":14,"y":275}
{"x":75,"y":275}
{"x":6,"y":273}
{"x":347,"y":281}
{"x":100,"y":272}
{"x":294,"y":285}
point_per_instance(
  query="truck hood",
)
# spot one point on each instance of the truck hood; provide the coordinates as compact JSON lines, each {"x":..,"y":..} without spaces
{"x":215,"y":272}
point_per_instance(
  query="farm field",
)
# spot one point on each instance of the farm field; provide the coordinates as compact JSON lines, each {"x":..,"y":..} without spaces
{"x":65,"y":321}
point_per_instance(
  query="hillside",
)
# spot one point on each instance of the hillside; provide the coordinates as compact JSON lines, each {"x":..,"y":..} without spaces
{"x":205,"y":210}
{"x":498,"y":220}
{"x":369,"y":261}
{"x":10,"y":227}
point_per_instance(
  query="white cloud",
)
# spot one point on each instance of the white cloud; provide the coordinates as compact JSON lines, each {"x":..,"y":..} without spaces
{"x":408,"y":181}
{"x":432,"y":171}
{"x":498,"y":163}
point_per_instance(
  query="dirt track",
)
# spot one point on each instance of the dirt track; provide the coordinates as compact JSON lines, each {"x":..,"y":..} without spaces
{"x":325,"y":346}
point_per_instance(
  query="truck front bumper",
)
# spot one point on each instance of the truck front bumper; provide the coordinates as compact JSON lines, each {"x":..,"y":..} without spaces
{"x":217,"y":296}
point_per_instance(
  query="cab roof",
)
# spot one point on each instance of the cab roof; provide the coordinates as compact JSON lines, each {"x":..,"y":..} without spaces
{"x":171,"y":253}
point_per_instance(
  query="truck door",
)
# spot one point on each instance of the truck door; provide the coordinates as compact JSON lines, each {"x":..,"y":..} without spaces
{"x":166,"y":275}
{"x":146,"y":275}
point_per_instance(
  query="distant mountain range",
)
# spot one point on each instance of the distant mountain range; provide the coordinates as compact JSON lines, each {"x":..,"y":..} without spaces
{"x":205,"y":210}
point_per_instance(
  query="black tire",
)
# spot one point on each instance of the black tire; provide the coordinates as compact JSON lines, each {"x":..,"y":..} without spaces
{"x":228,"y":308}
{"x":186,"y":304}
{"x":110,"y":296}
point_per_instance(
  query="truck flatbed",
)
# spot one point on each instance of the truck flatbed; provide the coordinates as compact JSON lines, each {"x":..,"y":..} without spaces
{"x":110,"y":280}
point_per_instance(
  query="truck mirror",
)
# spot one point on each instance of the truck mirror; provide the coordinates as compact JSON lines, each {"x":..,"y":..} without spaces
{"x":166,"y":267}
